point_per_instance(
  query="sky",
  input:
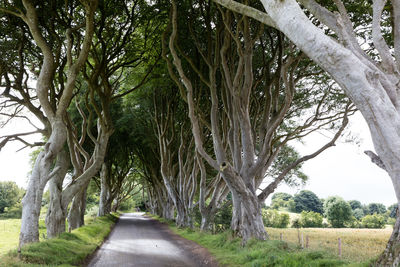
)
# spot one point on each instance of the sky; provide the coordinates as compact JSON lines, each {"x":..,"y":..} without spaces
{"x":342,"y":170}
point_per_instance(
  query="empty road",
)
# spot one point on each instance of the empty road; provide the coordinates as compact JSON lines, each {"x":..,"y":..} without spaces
{"x":137,"y":240}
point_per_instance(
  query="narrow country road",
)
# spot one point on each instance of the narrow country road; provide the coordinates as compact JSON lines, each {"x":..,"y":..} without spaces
{"x":140,"y":241}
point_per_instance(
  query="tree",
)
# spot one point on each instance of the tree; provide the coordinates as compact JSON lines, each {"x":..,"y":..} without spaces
{"x":280,"y":200}
{"x":377,"y":208}
{"x":10,"y":194}
{"x":372,"y":85}
{"x":250,"y":102}
{"x":373,"y":221}
{"x":337,"y":211}
{"x":281,"y":195}
{"x":355,"y":204}
{"x":392,"y":210}
{"x":310,"y":219}
{"x":50,"y":49}
{"x":306,"y":200}
{"x":358,"y":213}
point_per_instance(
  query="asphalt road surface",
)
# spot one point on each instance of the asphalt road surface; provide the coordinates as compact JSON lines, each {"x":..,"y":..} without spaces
{"x":137,"y":240}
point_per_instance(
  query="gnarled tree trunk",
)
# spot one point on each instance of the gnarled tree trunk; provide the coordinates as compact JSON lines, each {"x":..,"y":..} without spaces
{"x":41,"y":173}
{"x":57,"y":213}
{"x":76,"y":214}
{"x":105,"y":192}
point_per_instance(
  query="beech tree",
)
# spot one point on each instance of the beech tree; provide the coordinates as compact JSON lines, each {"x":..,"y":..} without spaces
{"x":253,"y":80}
{"x":77,"y":54}
{"x":371,"y":81}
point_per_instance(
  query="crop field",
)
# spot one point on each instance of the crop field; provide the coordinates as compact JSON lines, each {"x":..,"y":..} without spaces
{"x":357,"y":244}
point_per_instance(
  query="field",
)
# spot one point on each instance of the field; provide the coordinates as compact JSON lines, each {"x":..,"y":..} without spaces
{"x":357,"y":244}
{"x":9,"y":234}
{"x":9,"y":230}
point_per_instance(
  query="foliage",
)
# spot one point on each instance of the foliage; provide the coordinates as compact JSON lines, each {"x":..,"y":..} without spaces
{"x":69,"y":248}
{"x":281,"y":195}
{"x":92,"y":196}
{"x":273,"y":218}
{"x":392,"y":210}
{"x":307,"y":201}
{"x":14,"y":212}
{"x":355,"y":204}
{"x":281,"y":200}
{"x":337,"y":211}
{"x":223,"y":218}
{"x":10,"y":194}
{"x":377,"y":208}
{"x":373,"y":221}
{"x":358,"y":213}
{"x":127,"y":205}
{"x":310,"y":219}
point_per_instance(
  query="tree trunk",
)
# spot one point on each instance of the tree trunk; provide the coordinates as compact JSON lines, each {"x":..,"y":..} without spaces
{"x":168,"y":209}
{"x":247,"y":216}
{"x":105,"y":192}
{"x":41,"y":173}
{"x":56,"y":214}
{"x":391,"y":255}
{"x":207,"y":219}
{"x":76,"y":215}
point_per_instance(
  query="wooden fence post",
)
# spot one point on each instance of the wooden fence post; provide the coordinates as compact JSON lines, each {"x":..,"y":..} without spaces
{"x":302,"y":241}
{"x":340,"y":247}
{"x":281,"y":236}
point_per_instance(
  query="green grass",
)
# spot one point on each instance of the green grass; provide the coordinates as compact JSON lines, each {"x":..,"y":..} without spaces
{"x":69,"y":249}
{"x":9,"y":234}
{"x":229,"y":252}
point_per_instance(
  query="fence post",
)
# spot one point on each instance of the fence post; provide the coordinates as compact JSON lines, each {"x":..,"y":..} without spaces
{"x":281,"y":236}
{"x":302,"y":241}
{"x":340,"y":247}
{"x":307,"y":241}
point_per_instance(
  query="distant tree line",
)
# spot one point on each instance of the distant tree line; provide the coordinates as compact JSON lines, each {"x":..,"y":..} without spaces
{"x":336,"y":211}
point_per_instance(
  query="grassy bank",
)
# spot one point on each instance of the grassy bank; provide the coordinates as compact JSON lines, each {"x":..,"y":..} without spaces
{"x":70,"y":249}
{"x":229,"y":252}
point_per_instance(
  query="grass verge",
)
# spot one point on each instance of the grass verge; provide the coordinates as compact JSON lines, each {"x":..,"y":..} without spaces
{"x":69,"y":249}
{"x":229,"y":252}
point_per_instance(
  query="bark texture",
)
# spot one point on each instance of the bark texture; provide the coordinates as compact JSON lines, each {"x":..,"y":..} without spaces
{"x":76,"y":214}
{"x":57,"y":213}
{"x":105,"y":192}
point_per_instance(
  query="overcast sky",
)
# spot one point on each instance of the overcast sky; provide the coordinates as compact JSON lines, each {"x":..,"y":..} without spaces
{"x":342,"y":170}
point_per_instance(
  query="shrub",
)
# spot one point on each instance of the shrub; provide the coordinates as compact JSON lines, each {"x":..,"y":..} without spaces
{"x":310,"y":219}
{"x":373,"y":221}
{"x":296,"y":223}
{"x":273,"y":218}
{"x":308,"y":201}
{"x":337,"y":211}
{"x":391,"y":221}
{"x":13,"y":212}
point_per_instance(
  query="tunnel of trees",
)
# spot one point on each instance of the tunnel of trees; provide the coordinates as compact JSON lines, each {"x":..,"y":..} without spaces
{"x":193,"y":104}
